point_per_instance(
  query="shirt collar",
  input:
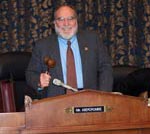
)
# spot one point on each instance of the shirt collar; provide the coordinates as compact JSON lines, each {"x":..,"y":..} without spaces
{"x":65,"y":40}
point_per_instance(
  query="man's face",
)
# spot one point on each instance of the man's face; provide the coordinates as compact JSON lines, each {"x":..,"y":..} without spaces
{"x":65,"y":22}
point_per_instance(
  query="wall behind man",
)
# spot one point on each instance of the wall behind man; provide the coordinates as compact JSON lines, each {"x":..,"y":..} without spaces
{"x":123,"y":24}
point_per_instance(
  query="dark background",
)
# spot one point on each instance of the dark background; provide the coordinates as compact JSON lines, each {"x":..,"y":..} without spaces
{"x":124,"y":25}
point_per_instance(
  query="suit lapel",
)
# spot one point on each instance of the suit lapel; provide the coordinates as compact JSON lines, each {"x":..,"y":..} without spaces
{"x":83,"y":46}
{"x":55,"y":53}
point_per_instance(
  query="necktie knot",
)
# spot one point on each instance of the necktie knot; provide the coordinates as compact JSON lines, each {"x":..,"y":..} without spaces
{"x":69,"y":43}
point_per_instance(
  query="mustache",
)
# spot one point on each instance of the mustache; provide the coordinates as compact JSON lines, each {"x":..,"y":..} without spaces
{"x":66,"y":27}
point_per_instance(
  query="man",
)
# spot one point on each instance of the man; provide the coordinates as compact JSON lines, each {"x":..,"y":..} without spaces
{"x":92,"y":63}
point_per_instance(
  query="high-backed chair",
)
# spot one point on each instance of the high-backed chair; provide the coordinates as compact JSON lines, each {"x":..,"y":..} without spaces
{"x":12,"y":67}
{"x":136,"y":83}
{"x":120,"y":72}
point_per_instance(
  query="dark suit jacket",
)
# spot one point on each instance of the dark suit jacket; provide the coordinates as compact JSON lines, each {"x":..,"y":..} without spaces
{"x":96,"y":64}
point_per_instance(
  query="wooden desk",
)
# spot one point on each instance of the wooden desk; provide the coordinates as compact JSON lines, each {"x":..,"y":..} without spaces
{"x":121,"y":115}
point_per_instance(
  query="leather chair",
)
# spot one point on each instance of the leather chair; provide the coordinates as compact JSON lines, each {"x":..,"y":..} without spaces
{"x":135,"y":83}
{"x":120,"y":72}
{"x":12,"y":67}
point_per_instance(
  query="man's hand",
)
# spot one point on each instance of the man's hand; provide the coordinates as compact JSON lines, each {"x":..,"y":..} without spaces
{"x":44,"y":79}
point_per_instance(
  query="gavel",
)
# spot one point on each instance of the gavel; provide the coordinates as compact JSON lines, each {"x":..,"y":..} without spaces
{"x":49,"y":62}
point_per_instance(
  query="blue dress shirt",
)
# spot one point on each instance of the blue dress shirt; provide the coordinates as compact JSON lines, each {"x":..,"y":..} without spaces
{"x":75,"y":48}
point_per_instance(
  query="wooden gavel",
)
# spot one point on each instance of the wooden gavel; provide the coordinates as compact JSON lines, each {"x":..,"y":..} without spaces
{"x":49,"y":62}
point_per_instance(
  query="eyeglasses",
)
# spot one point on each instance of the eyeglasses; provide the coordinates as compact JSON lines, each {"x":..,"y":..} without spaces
{"x":62,"y":19}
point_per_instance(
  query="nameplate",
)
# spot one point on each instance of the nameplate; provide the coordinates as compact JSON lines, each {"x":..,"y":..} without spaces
{"x":90,"y":109}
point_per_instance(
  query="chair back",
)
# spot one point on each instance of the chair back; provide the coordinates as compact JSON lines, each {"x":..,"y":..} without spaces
{"x":12,"y":68}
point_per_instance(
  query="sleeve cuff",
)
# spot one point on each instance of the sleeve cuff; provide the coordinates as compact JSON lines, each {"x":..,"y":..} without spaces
{"x":39,"y":89}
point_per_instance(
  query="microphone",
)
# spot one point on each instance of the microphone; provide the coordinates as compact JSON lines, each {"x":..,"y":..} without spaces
{"x":60,"y":83}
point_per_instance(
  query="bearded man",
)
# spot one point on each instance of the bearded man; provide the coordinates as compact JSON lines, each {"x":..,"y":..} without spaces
{"x":92,"y":63}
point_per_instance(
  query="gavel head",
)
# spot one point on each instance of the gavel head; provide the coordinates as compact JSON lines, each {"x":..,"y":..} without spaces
{"x":49,"y":62}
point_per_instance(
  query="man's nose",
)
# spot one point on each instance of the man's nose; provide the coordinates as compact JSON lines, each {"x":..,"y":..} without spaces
{"x":66,"y":22}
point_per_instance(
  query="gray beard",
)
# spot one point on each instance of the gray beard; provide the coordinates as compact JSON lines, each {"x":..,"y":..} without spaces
{"x":67,"y":37}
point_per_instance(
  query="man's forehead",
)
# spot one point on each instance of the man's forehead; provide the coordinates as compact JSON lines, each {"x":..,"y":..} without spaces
{"x":64,"y":11}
